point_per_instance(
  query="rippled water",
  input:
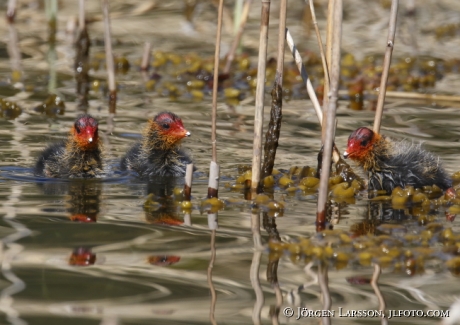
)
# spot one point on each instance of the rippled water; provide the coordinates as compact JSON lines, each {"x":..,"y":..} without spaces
{"x":108,"y":251}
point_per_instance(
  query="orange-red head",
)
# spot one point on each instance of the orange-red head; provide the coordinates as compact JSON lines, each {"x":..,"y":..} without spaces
{"x":168,"y":127}
{"x":360,"y":143}
{"x":85,"y":132}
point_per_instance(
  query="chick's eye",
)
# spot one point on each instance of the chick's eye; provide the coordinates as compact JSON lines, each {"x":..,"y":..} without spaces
{"x":77,"y":128}
{"x":364,"y":143}
{"x":165,"y":126}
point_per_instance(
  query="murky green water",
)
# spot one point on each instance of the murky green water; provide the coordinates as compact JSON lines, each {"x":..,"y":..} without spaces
{"x":134,"y":263}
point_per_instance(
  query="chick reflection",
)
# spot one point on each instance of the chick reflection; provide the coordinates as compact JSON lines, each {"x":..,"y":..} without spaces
{"x":82,"y":256}
{"x":160,"y":206}
{"x":163,"y":260}
{"x":84,"y":200}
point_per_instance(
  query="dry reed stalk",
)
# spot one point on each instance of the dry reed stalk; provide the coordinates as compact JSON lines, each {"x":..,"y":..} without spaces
{"x":188,"y":191}
{"x":308,"y":85}
{"x":81,"y":15}
{"x":51,"y":15}
{"x":13,"y":44}
{"x":216,"y":82}
{"x":281,"y":42}
{"x":109,"y":58}
{"x":320,"y":43}
{"x":260,"y":92}
{"x":329,"y":32}
{"x":237,"y":39}
{"x":52,"y":59}
{"x":276,"y":113}
{"x":329,"y":126}
{"x":81,"y":64}
{"x":188,"y":182}
{"x":433,"y":97}
{"x":410,"y":95}
{"x":386,"y":65}
{"x":145,"y":63}
{"x":11,"y":11}
{"x":213,"y":184}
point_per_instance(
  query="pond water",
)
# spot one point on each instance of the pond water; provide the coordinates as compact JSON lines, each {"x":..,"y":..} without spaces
{"x":112,"y":252}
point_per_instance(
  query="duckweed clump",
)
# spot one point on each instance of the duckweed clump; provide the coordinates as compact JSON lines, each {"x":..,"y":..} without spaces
{"x":52,"y":106}
{"x":405,"y":248}
{"x":189,"y":76}
{"x":9,"y":110}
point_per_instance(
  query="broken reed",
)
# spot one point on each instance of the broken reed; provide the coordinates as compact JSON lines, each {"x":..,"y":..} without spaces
{"x":109,"y":59}
{"x":81,"y":64}
{"x":276,"y":112}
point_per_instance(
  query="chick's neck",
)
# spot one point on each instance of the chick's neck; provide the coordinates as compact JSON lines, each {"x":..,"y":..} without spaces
{"x":375,"y":153}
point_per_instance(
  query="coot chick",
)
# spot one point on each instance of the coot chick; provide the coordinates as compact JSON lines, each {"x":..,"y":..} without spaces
{"x":80,"y":156}
{"x":159,"y":152}
{"x":395,"y":163}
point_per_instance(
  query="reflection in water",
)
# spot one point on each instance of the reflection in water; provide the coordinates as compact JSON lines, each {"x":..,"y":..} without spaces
{"x":212,"y":289}
{"x":269,"y":224}
{"x":82,"y":256}
{"x":323,"y":281}
{"x":254,"y":271}
{"x":378,"y":293}
{"x":84,"y":200}
{"x":83,"y":205}
{"x":321,"y":277}
{"x":160,"y":208}
{"x":163,"y":260}
{"x":83,"y":196}
{"x":11,"y":250}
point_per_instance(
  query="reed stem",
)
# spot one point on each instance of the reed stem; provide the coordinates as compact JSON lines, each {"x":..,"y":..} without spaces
{"x":188,"y":182}
{"x":216,"y":82}
{"x":281,"y":43}
{"x":276,"y":111}
{"x":145,"y":64}
{"x":109,"y":58}
{"x":330,"y":120}
{"x":320,"y":43}
{"x":13,"y":44}
{"x":81,"y":15}
{"x":329,"y":32}
{"x":260,"y":94}
{"x":386,"y":65}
